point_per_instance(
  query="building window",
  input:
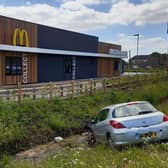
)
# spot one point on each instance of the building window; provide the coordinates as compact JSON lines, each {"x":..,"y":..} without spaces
{"x":67,"y":65}
{"x":13,"y":65}
{"x":116,"y":65}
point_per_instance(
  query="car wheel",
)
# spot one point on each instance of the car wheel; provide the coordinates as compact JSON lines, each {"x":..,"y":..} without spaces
{"x":110,"y":141}
{"x":91,"y":140}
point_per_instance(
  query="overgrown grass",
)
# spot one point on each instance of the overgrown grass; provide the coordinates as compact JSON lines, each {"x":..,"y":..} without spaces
{"x":34,"y":122}
{"x":146,"y":156}
{"x":101,"y":156}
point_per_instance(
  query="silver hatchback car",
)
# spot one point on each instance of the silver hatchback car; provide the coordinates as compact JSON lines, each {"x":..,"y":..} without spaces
{"x":130,"y":123}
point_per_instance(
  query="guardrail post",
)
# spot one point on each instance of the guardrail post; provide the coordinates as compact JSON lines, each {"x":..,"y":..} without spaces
{"x":19,"y":92}
{"x":136,"y":78}
{"x":91,"y":86}
{"x":8,"y":94}
{"x":62,"y":91}
{"x":94,"y":86}
{"x":50,"y":90}
{"x":80,"y":88}
{"x":119,"y":82}
{"x":72,"y":88}
{"x":104,"y":85}
{"x":34,"y":93}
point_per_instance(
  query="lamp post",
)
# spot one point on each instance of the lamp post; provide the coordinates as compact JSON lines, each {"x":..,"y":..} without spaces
{"x":167,"y":48}
{"x":137,"y":35}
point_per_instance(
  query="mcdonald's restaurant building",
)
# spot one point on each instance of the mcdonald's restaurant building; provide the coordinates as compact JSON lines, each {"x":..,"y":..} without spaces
{"x":33,"y":53}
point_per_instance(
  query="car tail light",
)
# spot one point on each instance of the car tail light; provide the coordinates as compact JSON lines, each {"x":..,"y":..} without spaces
{"x":116,"y":124}
{"x":165,"y":118}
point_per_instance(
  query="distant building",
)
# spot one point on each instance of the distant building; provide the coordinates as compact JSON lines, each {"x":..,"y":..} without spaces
{"x":151,"y":61}
{"x":125,"y":65}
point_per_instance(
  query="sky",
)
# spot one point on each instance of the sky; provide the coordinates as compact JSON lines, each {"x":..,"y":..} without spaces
{"x":114,"y":21}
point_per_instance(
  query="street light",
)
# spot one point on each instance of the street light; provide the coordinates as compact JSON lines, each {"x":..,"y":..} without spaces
{"x":137,"y":35}
{"x":167,"y":48}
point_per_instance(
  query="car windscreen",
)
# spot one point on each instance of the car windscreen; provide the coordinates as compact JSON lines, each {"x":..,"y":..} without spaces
{"x":133,"y":109}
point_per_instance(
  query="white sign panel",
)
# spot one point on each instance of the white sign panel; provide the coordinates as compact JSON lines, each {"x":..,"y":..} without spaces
{"x":118,"y":53}
{"x":25,"y":68}
{"x":73,"y":68}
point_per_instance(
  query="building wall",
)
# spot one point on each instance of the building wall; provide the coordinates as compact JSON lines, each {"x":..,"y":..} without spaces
{"x":8,"y":27}
{"x":14,"y":79}
{"x":53,"y":38}
{"x":86,"y":67}
{"x":149,"y":61}
{"x":44,"y":68}
{"x":51,"y":68}
{"x":106,"y":66}
{"x":104,"y":47}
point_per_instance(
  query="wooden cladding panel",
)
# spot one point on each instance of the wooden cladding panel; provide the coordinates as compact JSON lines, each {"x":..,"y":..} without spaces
{"x":1,"y":30}
{"x":105,"y":67}
{"x":14,"y":79}
{"x":105,"y":47}
{"x":7,"y":29}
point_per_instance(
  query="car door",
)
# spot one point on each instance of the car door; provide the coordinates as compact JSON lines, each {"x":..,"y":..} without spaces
{"x":100,"y":125}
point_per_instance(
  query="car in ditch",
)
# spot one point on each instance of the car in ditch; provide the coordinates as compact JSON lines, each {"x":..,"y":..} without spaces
{"x":129,"y":123}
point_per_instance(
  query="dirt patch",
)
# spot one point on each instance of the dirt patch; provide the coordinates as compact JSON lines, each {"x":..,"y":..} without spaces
{"x":42,"y":151}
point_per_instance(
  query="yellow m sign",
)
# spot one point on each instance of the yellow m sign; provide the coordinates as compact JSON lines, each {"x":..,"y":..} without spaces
{"x":23,"y":37}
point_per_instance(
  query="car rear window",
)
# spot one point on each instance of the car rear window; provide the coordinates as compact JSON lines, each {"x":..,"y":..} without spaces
{"x":133,"y":109}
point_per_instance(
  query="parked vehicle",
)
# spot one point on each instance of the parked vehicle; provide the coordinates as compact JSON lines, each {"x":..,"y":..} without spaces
{"x":129,"y":123}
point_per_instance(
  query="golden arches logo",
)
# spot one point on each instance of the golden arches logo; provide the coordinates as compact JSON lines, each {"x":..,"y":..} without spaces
{"x":23,"y":35}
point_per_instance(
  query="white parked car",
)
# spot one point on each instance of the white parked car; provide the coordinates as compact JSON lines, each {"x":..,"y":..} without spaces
{"x":129,"y":123}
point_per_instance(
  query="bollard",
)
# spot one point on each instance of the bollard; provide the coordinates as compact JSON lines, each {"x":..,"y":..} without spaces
{"x":19,"y":92}
{"x":91,"y":86}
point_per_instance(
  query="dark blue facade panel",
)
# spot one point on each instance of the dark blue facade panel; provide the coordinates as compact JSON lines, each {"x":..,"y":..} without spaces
{"x":53,"y":38}
{"x":86,"y":67}
{"x":51,"y":68}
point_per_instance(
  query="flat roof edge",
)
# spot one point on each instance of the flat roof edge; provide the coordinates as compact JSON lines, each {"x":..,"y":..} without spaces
{"x":56,"y":52}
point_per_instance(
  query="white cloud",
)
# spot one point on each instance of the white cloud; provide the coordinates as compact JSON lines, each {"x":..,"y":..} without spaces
{"x":79,"y":16}
{"x":91,"y":2}
{"x":76,"y":15}
{"x":146,"y":45}
{"x":88,"y":2}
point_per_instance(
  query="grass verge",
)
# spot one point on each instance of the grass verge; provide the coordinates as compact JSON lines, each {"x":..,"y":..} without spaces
{"x":34,"y":122}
